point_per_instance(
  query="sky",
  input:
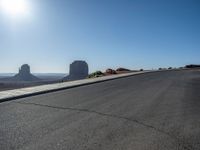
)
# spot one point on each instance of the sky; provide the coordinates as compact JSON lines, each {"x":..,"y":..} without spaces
{"x":50,"y":34}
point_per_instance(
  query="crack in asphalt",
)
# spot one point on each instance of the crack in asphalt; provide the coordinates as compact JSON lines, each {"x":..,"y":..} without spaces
{"x":181,"y":143}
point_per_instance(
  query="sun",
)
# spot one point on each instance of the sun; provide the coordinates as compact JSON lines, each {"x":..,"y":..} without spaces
{"x":14,"y":8}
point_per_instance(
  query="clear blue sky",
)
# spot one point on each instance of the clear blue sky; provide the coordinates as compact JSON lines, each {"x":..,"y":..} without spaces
{"x":106,"y":33}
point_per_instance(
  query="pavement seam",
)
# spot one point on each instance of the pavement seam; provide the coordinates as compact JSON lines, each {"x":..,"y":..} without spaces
{"x":181,"y":143}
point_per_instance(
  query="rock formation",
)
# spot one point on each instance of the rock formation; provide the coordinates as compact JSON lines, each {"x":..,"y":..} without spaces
{"x":192,"y":66}
{"x":110,"y":71}
{"x":25,"y":74}
{"x":122,"y":69}
{"x":78,"y":70}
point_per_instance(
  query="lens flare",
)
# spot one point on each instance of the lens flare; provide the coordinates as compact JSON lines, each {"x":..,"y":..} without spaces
{"x":14,"y":8}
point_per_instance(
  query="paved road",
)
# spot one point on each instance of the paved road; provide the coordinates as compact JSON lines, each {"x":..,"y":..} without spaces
{"x":153,"y":111}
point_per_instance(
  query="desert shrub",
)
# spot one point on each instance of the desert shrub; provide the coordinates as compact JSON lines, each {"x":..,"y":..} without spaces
{"x":96,"y":74}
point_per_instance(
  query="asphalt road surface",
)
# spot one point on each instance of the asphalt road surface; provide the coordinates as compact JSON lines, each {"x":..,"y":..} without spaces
{"x":153,"y":111}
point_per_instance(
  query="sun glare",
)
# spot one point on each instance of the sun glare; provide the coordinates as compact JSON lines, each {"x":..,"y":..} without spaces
{"x":14,"y":8}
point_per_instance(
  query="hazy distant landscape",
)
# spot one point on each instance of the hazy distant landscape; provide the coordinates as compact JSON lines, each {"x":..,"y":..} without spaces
{"x":6,"y":82}
{"x":78,"y":70}
{"x":9,"y":81}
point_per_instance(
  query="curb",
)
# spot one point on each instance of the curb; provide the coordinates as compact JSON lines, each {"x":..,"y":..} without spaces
{"x":67,"y":85}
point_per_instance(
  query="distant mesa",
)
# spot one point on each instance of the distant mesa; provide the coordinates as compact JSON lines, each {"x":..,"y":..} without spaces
{"x":78,"y":70}
{"x":192,"y":66}
{"x":25,"y":74}
{"x":122,"y":69}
